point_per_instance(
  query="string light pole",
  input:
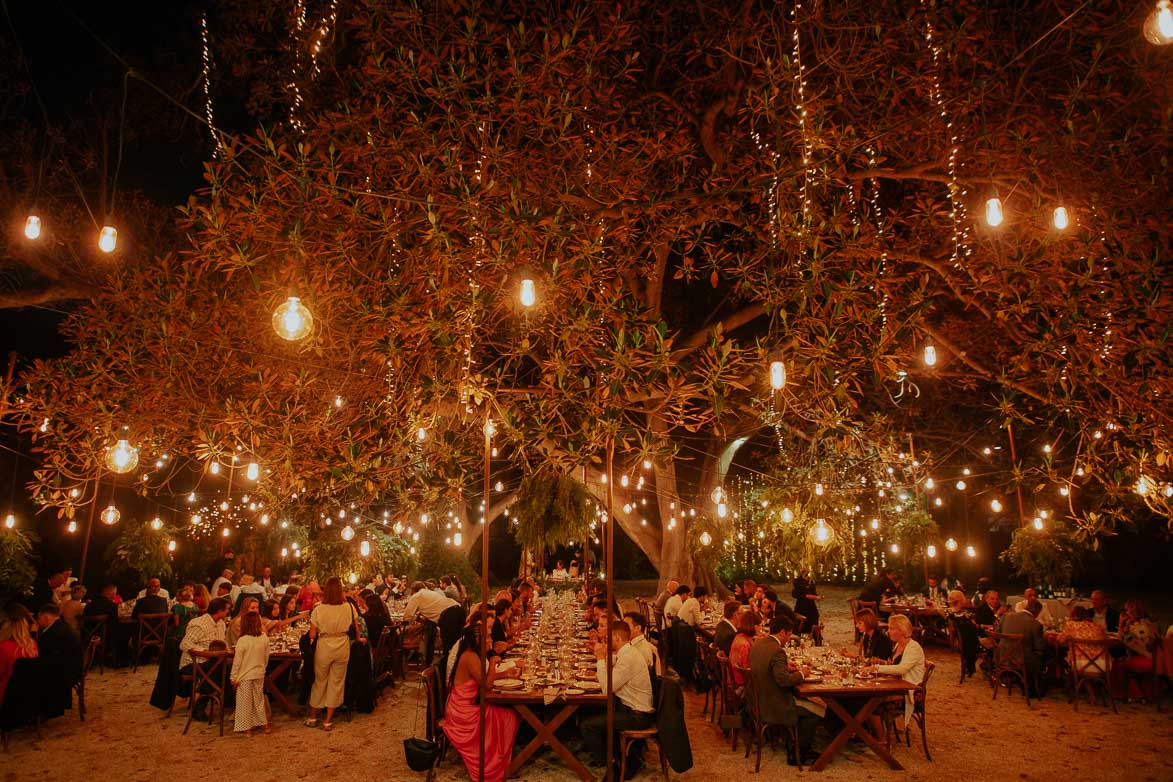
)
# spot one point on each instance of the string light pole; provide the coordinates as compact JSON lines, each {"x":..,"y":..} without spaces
{"x":489,"y":430}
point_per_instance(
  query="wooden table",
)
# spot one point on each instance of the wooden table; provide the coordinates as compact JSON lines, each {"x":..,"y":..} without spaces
{"x":523,"y":701}
{"x":930,"y":619}
{"x":279,"y":664}
{"x":873,"y":692}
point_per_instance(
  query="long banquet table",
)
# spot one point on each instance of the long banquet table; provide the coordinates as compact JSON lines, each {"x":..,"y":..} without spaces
{"x":529,"y":704}
{"x":873,"y":692}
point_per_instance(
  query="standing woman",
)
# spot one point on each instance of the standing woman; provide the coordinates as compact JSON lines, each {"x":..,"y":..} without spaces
{"x":806,"y":599}
{"x":329,"y":623}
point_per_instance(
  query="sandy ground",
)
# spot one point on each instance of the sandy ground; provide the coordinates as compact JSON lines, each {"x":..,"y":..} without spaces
{"x":971,"y":737}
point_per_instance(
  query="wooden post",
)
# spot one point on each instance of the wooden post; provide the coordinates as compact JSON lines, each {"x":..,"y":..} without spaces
{"x":484,"y":650}
{"x":609,"y":576}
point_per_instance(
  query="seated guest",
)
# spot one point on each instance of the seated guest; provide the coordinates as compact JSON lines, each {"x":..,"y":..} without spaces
{"x":151,"y":601}
{"x":727,"y":628}
{"x":201,"y":596}
{"x":747,"y":631}
{"x":775,"y":679}
{"x":225,"y":578}
{"x":935,"y":591}
{"x":1139,"y":634}
{"x":462,"y":712}
{"x":1033,"y":644}
{"x":908,"y":662}
{"x":185,"y":610}
{"x":375,"y":614}
{"x":1080,"y":627}
{"x":442,"y":611}
{"x":1030,"y":602}
{"x":634,"y":708}
{"x":987,"y":612}
{"x":984,"y":585}
{"x":749,"y":590}
{"x":449,"y":589}
{"x":897,"y":588}
{"x":559,"y":572}
{"x":287,"y":606}
{"x":874,"y":643}
{"x":249,"y":586}
{"x":692,"y":608}
{"x":309,"y":596}
{"x":639,"y":642}
{"x":103,"y":604}
{"x":672,"y":607}
{"x":163,"y":593}
{"x":16,"y":641}
{"x":202,"y":631}
{"x":73,"y":608}
{"x":499,"y":632}
{"x":1104,"y":614}
{"x":248,"y":605}
{"x":958,"y":604}
{"x":524,"y":599}
{"x":59,"y":648}
{"x":880,"y":585}
{"x":669,"y":591}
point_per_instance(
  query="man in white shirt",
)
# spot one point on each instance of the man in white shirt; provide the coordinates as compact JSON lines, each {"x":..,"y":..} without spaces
{"x":634,"y":709}
{"x":691,"y":608}
{"x":559,"y":573}
{"x":1031,"y":604}
{"x":672,"y":607}
{"x":635,"y":621}
{"x":437,"y":608}
{"x":204,"y":629}
{"x":225,"y":578}
{"x":668,"y":593}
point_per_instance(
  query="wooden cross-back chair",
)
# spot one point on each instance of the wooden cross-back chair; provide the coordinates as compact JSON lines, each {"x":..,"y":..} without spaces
{"x":1090,"y":666}
{"x":1009,"y":663}
{"x":152,"y":631}
{"x":209,"y":679}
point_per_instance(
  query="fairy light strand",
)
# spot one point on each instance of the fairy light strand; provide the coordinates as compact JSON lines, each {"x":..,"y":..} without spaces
{"x":801,"y":111}
{"x":209,"y":115}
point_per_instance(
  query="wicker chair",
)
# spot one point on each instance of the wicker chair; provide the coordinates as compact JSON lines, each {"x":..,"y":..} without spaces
{"x":1090,"y":666}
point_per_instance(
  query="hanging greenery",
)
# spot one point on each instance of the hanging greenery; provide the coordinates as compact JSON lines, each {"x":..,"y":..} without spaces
{"x":17,"y":572}
{"x":327,"y":556}
{"x":552,"y":511}
{"x":142,"y":550}
{"x":1050,"y":557}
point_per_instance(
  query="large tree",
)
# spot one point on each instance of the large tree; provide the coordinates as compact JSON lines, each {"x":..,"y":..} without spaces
{"x":697,"y":189}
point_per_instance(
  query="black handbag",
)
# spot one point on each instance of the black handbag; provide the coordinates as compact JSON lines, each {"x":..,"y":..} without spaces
{"x":421,"y":754}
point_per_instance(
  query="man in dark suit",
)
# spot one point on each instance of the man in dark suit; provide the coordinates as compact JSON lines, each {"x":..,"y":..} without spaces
{"x":60,"y":651}
{"x":152,"y":602}
{"x":103,"y":603}
{"x":726,"y":631}
{"x":1034,"y":645}
{"x":1103,"y":614}
{"x":987,"y":612}
{"x":774,"y":680}
{"x":878,"y":587}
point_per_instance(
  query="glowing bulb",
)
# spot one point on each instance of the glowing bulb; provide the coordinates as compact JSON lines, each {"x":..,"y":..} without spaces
{"x":292,"y":320}
{"x":960,"y":485}
{"x":214,"y":468}
{"x":352,"y":578}
{"x":894,"y":548}
{"x":490,"y":428}
{"x":1143,"y":486}
{"x":364,"y":548}
{"x":156,"y":523}
{"x":706,"y":538}
{"x":821,"y":534}
{"x":931,"y":552}
{"x":787,"y":515}
{"x":970,"y":552}
{"x":253,"y":471}
{"x":1037,"y":523}
{"x":529,"y":294}
{"x":456,"y":539}
{"x":421,"y":434}
{"x":647,"y":464}
{"x":32,"y":227}
{"x":224,"y":532}
{"x":951,"y":544}
{"x":818,"y":490}
{"x":996,"y":505}
{"x":623,"y":480}
{"x":875,"y":524}
{"x":224,"y":505}
{"x":1169,"y":490}
{"x":1064,"y":491}
{"x":994,"y":214}
{"x":1158,"y":25}
{"x":122,"y":457}
{"x":110,"y":516}
{"x":10,"y":521}
{"x":722,"y":510}
{"x":196,"y":518}
{"x":72,"y":528}
{"x":108,"y":239}
{"x":987,"y":451}
{"x":930,"y":356}
{"x":938,"y":502}
{"x":777,"y":375}
{"x":1047,"y":448}
{"x":1060,"y":219}
{"x":929,"y":484}
{"x":347,"y":532}
{"x":171,"y":545}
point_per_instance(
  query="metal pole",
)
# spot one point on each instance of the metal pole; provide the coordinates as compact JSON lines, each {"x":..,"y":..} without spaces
{"x":484,"y":651}
{"x":609,"y":575}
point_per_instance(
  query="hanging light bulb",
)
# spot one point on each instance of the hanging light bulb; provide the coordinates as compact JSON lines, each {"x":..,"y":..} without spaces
{"x":352,"y":578}
{"x":960,"y":485}
{"x":224,"y":532}
{"x":122,"y":457}
{"x":787,"y":515}
{"x":930,"y":356}
{"x":930,"y":484}
{"x":1143,"y":486}
{"x":364,"y":548}
{"x":457,"y":539}
{"x":722,"y":510}
{"x":292,"y":320}
{"x":818,"y":490}
{"x":623,"y":481}
{"x":996,"y":505}
{"x":108,"y":239}
{"x":224,"y":505}
{"x":951,"y":544}
{"x":875,"y":524}
{"x":970,"y":552}
{"x":284,"y":552}
{"x":171,"y":545}
{"x":110,"y":516}
{"x":156,"y":523}
{"x":1059,"y":218}
{"x":490,"y":428}
{"x":347,"y":532}
{"x":421,"y":434}
{"x":821,"y":534}
{"x":706,"y":538}
{"x":10,"y":521}
{"x":529,"y":294}
{"x":894,"y":548}
{"x":931,"y":552}
{"x":214,"y":468}
{"x":1158,"y":25}
{"x":994,"y":214}
{"x":71,"y":527}
{"x":1037,"y":523}
{"x":32,"y":227}
{"x":253,"y":471}
{"x":777,"y":375}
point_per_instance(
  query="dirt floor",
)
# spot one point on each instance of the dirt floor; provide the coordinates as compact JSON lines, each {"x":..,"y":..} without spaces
{"x":971,"y":736}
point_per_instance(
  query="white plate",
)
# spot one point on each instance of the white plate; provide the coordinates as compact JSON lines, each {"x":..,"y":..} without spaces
{"x":508,"y":684}
{"x":574,"y":691}
{"x":588,"y":685}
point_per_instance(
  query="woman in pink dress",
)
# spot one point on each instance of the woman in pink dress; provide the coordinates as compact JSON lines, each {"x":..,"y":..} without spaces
{"x":15,"y":642}
{"x":462,"y":713}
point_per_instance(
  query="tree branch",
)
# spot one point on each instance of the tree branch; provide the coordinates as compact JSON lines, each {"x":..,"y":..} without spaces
{"x":726,"y":324}
{"x":31,"y":298}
